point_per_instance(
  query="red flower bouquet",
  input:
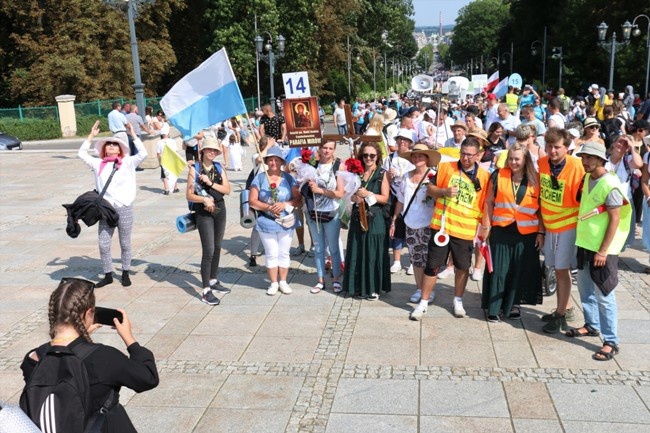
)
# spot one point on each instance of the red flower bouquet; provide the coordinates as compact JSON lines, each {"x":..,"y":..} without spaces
{"x":353,"y":165}
{"x":306,"y":155}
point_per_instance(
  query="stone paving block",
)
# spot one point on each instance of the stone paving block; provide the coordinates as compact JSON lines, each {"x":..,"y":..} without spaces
{"x":634,"y":331}
{"x":304,"y":310}
{"x":155,"y":419}
{"x":212,"y":348}
{"x":292,"y":325}
{"x":612,"y":404}
{"x":537,"y":426}
{"x":514,"y":354}
{"x":12,"y":385}
{"x":376,"y":396}
{"x":456,"y":329}
{"x":9,"y":318}
{"x":634,"y":356}
{"x":445,"y":352}
{"x":385,"y":311}
{"x":229,"y":324}
{"x":363,"y":423}
{"x":198,"y":391}
{"x":508,"y":330}
{"x":590,"y":427}
{"x":238,"y":421}
{"x":258,"y":392}
{"x":386,"y":327}
{"x":182,"y":323}
{"x":561,"y":352}
{"x":281,"y":349}
{"x":529,"y":401}
{"x":644,"y":393}
{"x":447,"y":424}
{"x":364,"y":350}
{"x":469,"y":399}
{"x":163,"y":345}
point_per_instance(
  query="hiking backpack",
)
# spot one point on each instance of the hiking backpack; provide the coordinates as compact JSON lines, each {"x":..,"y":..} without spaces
{"x":57,"y":395}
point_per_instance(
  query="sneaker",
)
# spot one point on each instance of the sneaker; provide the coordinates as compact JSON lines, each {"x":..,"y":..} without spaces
{"x":272,"y":290}
{"x":448,"y":272}
{"x":569,"y":315}
{"x":415,"y":297}
{"x":409,"y":271}
{"x":459,"y":311}
{"x":418,"y":312}
{"x":209,"y":298}
{"x":312,"y":252}
{"x":556,"y":324}
{"x":299,"y":250}
{"x":397,"y":266}
{"x":252,"y":262}
{"x":217,"y":287}
{"x":284,"y":288}
{"x":493,"y":319}
{"x":165,"y":192}
{"x":477,"y":275}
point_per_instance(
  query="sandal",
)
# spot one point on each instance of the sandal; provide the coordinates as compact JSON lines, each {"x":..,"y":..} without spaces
{"x":646,"y":270}
{"x":601,"y":355}
{"x":373,"y":297}
{"x":317,"y":288}
{"x":337,"y":287}
{"x":576,"y":332}
{"x":515,"y":312}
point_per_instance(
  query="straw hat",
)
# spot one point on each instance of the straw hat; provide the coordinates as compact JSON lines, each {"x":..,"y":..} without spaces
{"x":210,"y":142}
{"x":99,"y":145}
{"x":389,"y":115}
{"x":433,"y":155}
{"x":481,"y":136}
{"x":459,"y":124}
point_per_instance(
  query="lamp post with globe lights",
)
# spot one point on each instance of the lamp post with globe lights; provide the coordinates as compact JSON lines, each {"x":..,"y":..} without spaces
{"x":269,"y":57}
{"x":613,"y":46}
{"x":636,"y":33}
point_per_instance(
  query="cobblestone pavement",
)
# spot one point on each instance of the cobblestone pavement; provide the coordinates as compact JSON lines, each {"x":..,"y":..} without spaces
{"x":307,"y":363}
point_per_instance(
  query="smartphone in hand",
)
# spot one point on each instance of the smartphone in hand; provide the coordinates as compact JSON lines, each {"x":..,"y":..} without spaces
{"x":105,"y":316}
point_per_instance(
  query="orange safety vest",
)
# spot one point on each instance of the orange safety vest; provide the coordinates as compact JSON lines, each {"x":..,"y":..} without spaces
{"x":560,"y":206}
{"x":506,"y":209}
{"x":463,"y":212}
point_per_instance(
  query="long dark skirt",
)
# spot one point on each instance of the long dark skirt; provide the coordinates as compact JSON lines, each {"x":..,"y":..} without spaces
{"x":367,"y":264}
{"x":517,"y":276}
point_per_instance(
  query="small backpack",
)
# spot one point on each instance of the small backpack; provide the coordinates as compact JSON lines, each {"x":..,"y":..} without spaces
{"x":57,"y":395}
{"x":565,"y":104}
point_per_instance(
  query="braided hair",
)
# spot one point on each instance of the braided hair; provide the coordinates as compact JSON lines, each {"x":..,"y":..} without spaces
{"x":68,"y":304}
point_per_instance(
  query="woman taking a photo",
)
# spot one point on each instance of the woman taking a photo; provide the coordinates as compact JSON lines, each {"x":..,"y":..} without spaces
{"x":416,"y":209}
{"x":516,"y":236}
{"x":274,"y":194}
{"x":71,"y":316}
{"x":324,"y":224}
{"x":367,"y":270}
{"x":114,"y":156}
{"x":207,"y":183}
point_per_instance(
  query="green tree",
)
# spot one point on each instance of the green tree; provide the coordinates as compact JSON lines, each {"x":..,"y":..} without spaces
{"x":478,"y":28}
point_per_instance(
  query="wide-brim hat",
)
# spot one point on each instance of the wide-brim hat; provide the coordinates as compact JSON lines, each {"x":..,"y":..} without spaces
{"x":389,"y":115}
{"x":433,"y":155}
{"x":99,"y":145}
{"x":210,"y":142}
{"x":594,"y":149}
{"x":591,"y":121}
{"x":409,"y":134}
{"x":480,"y":135}
{"x":274,"y":151}
{"x":459,"y":124}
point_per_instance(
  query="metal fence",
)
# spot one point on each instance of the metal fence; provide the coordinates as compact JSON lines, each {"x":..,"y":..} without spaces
{"x":99,"y":108}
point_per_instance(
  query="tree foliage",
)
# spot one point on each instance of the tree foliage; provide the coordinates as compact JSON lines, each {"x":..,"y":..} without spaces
{"x":83,"y":47}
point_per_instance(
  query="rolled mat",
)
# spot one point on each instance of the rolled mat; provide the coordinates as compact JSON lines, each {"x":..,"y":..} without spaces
{"x":186,"y":223}
{"x":247,"y":214}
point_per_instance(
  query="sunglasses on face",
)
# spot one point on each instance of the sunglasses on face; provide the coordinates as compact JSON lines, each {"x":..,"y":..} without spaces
{"x":90,"y":286}
{"x":110,"y":143}
{"x":369,"y":155}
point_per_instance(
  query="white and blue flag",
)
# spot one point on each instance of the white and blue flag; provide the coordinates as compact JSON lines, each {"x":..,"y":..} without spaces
{"x":207,"y":95}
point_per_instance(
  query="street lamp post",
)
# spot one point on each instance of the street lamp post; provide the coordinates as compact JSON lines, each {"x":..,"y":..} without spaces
{"x":269,"y":58}
{"x":637,"y":32}
{"x":132,"y":13}
{"x":613,"y":46}
{"x":558,"y":54}
{"x":503,"y":60}
{"x":533,"y":52}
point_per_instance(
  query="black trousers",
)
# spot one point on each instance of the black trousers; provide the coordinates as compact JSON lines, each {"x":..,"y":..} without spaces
{"x":211,"y":228}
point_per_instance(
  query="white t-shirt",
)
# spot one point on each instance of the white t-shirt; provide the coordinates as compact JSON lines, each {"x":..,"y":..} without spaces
{"x":420,"y":212}
{"x":339,"y":116}
{"x":622,"y":174}
{"x":510,"y":123}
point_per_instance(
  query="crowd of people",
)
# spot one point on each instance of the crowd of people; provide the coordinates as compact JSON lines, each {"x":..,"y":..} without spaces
{"x":477,"y":188}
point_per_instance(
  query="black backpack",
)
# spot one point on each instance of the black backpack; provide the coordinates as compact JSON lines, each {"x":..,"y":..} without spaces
{"x":609,"y":130}
{"x":57,"y":395}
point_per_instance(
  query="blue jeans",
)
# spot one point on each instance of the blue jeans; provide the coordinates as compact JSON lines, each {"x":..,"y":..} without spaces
{"x":326,"y":233}
{"x":600,"y":311}
{"x":343,"y":129}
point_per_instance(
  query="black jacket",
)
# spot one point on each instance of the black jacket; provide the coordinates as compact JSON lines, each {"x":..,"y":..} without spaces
{"x":90,"y":211}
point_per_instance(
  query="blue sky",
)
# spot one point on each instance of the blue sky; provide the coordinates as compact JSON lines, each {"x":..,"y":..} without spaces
{"x":427,"y":11}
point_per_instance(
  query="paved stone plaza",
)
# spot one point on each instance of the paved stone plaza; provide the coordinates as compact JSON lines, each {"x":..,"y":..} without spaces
{"x":304,"y":362}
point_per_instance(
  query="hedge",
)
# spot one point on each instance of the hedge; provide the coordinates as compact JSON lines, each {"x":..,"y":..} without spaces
{"x":47,"y":129}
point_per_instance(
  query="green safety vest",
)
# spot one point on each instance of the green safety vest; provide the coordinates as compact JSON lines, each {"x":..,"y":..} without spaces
{"x":591,"y":231}
{"x":511,"y":101}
